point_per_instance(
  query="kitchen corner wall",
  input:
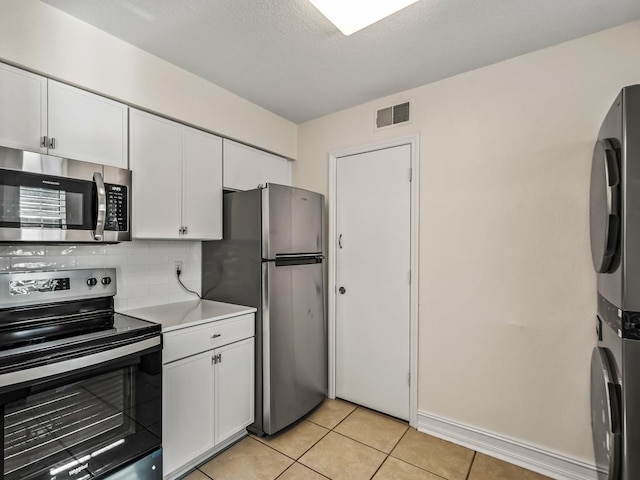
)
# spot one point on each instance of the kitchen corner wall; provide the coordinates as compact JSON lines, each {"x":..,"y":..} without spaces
{"x":145,"y":270}
{"x":38,"y":37}
{"x":506,"y":287}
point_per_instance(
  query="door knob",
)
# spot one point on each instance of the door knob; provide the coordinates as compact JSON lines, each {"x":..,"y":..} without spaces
{"x":342,"y":290}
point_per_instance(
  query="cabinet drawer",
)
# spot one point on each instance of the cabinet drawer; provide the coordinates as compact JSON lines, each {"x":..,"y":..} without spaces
{"x":192,"y":340}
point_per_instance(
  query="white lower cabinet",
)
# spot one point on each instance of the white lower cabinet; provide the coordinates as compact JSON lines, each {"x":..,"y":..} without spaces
{"x":188,"y":405}
{"x":207,"y":396}
{"x":233,"y":389}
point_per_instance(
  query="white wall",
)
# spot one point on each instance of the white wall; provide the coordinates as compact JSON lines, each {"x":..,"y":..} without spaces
{"x":41,"y":38}
{"x":145,"y":270}
{"x":507,"y":290}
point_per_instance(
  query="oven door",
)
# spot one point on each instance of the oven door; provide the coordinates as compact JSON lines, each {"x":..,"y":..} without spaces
{"x":83,"y":418}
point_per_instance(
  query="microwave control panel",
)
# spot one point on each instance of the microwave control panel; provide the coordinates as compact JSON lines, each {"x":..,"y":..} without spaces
{"x":117,"y":208}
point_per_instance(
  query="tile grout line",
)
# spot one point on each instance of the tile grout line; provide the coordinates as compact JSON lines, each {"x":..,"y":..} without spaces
{"x":282,"y":453}
{"x":399,"y":440}
{"x":283,"y":472}
{"x":471,"y":465}
{"x":379,"y":466}
{"x":197,"y":469}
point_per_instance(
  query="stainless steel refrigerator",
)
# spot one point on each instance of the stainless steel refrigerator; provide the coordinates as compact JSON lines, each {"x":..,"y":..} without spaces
{"x":271,"y":258}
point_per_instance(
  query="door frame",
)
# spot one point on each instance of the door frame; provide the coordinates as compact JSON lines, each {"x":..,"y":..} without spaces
{"x":414,"y":141}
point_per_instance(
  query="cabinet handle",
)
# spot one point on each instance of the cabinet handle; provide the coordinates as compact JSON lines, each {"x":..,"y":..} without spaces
{"x":185,"y":230}
{"x":44,"y":141}
{"x":52,"y":143}
{"x":216,"y":359}
{"x":216,"y":335}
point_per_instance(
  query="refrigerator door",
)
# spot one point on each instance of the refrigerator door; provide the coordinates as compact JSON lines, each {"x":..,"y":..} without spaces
{"x":291,"y":221}
{"x":294,"y":341}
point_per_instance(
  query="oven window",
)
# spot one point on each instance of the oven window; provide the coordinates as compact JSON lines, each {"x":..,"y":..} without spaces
{"x":41,"y":207}
{"x":29,"y":200}
{"x":50,"y":424}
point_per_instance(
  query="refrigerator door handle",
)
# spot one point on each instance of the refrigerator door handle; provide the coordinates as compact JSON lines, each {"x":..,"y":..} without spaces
{"x":290,"y":261}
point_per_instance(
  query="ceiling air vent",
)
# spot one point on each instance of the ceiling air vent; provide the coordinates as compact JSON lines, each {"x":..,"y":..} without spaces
{"x":385,"y":117}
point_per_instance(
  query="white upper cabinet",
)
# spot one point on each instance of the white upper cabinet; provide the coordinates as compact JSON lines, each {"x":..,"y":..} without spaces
{"x":86,"y":127}
{"x":201,"y":184}
{"x":245,"y":167}
{"x":46,"y":116}
{"x":177,"y":180}
{"x":23,"y":109}
{"x":155,"y":158}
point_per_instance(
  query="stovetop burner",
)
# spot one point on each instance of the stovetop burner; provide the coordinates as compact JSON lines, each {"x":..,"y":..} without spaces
{"x":61,"y":314}
{"x":31,"y":324}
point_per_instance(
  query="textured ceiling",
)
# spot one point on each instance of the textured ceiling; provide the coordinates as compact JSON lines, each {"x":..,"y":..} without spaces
{"x":288,"y":58}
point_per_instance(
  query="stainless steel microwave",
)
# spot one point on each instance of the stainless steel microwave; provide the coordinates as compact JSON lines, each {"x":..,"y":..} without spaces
{"x":47,"y":199}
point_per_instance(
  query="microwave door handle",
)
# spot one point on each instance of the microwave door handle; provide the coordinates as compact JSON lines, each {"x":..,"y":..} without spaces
{"x":98,"y":234}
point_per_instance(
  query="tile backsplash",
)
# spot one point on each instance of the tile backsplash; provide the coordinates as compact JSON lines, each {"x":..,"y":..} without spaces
{"x":145,"y":270}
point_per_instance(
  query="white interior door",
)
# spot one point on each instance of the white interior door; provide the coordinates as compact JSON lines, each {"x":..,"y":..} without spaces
{"x":373,"y":263}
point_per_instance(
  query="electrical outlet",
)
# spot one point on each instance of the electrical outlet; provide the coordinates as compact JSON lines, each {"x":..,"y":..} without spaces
{"x":178,"y":267}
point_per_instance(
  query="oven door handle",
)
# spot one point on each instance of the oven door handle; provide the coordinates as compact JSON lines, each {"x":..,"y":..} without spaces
{"x":101,"y":214}
{"x":66,"y":366}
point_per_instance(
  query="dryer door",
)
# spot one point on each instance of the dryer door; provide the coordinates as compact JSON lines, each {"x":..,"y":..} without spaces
{"x":604,"y":211}
{"x":605,"y":415}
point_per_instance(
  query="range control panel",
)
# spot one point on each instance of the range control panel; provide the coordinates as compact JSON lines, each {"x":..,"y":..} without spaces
{"x":25,"y":288}
{"x":117,"y":207}
{"x":38,"y":285}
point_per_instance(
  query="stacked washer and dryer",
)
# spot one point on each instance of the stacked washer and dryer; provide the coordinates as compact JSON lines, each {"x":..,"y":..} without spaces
{"x":615,"y":248}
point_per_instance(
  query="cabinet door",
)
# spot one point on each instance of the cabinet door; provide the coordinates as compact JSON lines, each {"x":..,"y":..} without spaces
{"x":86,"y":126}
{"x":187,"y":418}
{"x":201,"y":185}
{"x":234,"y":384}
{"x":274,"y":169}
{"x":241,"y":166}
{"x":23,"y":115}
{"x":156,"y":174}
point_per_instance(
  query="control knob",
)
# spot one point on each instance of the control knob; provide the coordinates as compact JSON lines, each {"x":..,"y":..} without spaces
{"x":106,"y":280}
{"x":92,"y":282}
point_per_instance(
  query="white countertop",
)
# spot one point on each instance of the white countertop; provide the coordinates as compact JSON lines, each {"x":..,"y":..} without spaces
{"x":173,"y":316}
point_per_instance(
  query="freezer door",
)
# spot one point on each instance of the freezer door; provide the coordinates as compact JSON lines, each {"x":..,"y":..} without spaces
{"x":292,"y":221}
{"x":294,"y":343}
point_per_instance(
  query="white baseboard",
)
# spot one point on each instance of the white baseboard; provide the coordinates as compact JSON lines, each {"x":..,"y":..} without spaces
{"x":545,"y":462}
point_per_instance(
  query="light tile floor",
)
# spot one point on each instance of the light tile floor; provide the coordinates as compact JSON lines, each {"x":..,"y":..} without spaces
{"x":340,"y":440}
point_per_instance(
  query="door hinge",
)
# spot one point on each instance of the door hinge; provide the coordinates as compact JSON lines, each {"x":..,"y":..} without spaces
{"x":409,"y":378}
